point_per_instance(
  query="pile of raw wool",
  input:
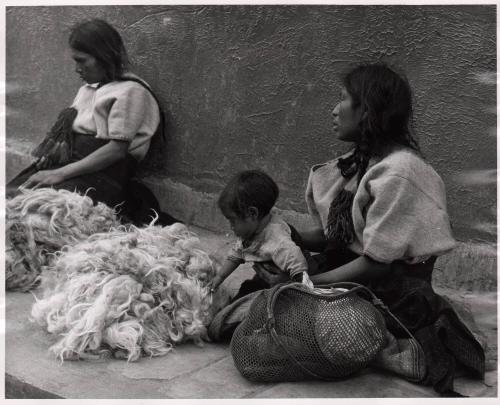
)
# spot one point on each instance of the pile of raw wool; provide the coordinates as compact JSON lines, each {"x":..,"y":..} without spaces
{"x":40,"y":222}
{"x":127,"y":293}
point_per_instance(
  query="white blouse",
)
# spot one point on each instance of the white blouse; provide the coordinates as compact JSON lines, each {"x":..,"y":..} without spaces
{"x":399,"y":208}
{"x":119,"y":110}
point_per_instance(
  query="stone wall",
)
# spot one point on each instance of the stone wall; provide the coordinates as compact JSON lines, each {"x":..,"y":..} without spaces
{"x":254,"y":87}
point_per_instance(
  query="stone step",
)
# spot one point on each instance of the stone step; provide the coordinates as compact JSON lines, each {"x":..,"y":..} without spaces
{"x":472,"y":266}
{"x":192,"y":372}
{"x":209,"y":372}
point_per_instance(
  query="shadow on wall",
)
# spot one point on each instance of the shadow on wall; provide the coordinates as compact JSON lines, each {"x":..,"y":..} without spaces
{"x":475,"y":182}
{"x":253,"y":87}
{"x":158,"y":154}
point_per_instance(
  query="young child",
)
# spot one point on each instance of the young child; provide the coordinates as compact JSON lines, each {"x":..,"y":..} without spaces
{"x":246,"y":202}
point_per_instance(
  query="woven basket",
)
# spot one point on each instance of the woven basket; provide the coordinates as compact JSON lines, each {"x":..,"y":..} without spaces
{"x":293,"y":333}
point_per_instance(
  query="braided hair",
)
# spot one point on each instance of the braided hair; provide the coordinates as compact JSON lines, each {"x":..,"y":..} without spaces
{"x":385,"y":97}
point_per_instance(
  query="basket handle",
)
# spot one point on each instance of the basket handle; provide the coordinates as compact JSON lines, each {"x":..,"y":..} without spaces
{"x":352,"y":287}
{"x":377,"y":302}
{"x":279,"y":288}
{"x":276,"y":291}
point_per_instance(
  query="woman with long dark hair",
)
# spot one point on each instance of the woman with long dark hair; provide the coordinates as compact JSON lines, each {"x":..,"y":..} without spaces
{"x":380,"y":219}
{"x":97,"y":143}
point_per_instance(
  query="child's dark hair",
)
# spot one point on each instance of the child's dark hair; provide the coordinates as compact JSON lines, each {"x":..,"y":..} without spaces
{"x":249,"y":188}
{"x":101,"y":40}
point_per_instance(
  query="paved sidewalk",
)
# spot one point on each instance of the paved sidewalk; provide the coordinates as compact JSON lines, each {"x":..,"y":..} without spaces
{"x":208,"y":372}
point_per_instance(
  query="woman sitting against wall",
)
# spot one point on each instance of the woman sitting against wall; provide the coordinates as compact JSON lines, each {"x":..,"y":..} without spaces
{"x":380,"y":219}
{"x":96,"y":145}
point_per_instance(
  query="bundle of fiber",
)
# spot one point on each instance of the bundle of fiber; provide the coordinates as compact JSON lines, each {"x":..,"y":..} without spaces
{"x":39,"y":222}
{"x":129,"y":292}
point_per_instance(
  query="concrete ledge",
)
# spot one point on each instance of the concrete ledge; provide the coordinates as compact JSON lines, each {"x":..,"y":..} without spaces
{"x":209,"y":372}
{"x":17,"y":157}
{"x":17,"y":389}
{"x":472,"y":266}
{"x":200,"y":209}
{"x":193,"y":372}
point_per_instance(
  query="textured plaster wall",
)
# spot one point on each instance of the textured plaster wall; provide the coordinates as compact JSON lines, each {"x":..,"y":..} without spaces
{"x":254,"y":86}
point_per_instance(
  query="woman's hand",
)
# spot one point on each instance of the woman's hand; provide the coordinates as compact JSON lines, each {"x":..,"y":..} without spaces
{"x":270,"y":273}
{"x":44,"y":178}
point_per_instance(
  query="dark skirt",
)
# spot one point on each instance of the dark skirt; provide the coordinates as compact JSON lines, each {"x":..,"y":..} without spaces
{"x":449,"y":346}
{"x":107,"y":185}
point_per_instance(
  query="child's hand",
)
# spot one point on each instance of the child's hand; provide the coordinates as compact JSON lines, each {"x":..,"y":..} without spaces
{"x":303,"y":278}
{"x":307,"y":281}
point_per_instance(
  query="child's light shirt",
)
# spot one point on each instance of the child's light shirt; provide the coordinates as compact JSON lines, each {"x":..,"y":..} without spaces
{"x":119,"y":110}
{"x":274,"y":243}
